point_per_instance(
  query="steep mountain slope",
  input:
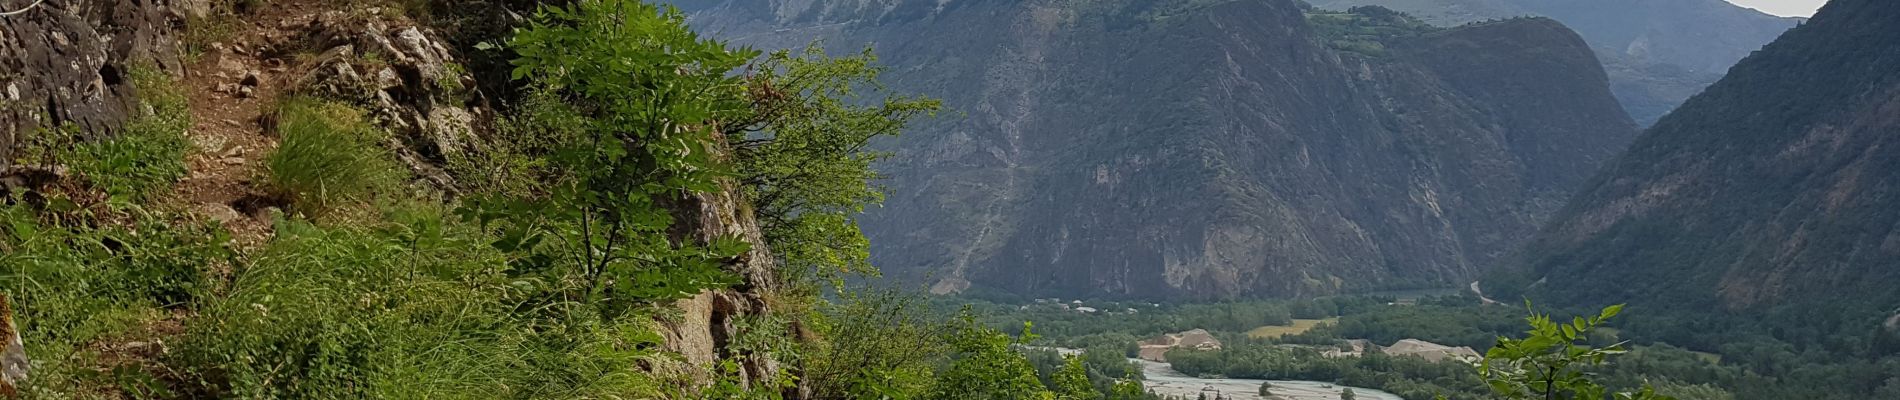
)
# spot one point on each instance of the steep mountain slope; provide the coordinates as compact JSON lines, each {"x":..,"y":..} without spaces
{"x":1775,"y":186}
{"x":1658,"y":53}
{"x":1208,"y":148}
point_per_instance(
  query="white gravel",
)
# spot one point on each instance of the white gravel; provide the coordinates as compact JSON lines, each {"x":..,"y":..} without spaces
{"x":1164,"y":380}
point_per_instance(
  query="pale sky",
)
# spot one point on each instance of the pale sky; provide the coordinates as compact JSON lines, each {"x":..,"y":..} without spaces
{"x":1785,"y":8}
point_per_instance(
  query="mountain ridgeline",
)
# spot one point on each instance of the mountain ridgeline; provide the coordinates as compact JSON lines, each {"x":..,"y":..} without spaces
{"x":1658,"y":53}
{"x":1210,"y":149}
{"x":1776,"y":188}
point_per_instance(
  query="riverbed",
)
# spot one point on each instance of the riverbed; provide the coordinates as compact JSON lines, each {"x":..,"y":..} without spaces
{"x":1164,"y":380}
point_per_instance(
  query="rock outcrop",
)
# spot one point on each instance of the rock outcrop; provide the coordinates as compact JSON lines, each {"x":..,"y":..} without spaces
{"x":13,"y":361}
{"x":1208,"y":150}
{"x":408,"y":80}
{"x":712,"y":321}
{"x":67,"y":64}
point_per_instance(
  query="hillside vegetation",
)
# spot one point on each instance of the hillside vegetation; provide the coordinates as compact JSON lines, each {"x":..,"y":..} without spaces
{"x":638,"y":219}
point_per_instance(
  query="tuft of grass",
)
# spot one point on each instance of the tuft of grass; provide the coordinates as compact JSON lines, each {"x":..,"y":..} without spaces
{"x":328,"y":156}
{"x":149,"y":155}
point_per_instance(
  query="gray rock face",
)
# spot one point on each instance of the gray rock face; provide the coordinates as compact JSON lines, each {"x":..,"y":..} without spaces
{"x":414,"y":87}
{"x":1104,"y":149}
{"x":1658,"y":53}
{"x":66,"y":64}
{"x":1773,"y":189}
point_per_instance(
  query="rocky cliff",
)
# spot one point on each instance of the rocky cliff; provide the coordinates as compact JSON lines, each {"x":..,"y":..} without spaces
{"x":1776,"y":186}
{"x":1658,"y":53}
{"x":66,"y":64}
{"x":1209,"y":149}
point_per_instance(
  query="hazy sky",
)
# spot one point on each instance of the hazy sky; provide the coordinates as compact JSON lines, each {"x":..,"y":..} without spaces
{"x":1785,"y":8}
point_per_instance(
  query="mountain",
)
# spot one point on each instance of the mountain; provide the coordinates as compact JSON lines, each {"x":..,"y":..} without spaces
{"x":1658,"y":53}
{"x":1210,"y":149}
{"x":1775,"y":187}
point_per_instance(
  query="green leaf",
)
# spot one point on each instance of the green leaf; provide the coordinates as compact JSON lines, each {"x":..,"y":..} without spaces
{"x":1610,"y":311}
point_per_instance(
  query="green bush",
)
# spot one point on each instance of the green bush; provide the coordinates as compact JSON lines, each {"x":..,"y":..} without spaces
{"x":328,"y":156}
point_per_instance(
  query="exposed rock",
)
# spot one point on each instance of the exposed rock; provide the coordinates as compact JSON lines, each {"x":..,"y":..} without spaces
{"x":1776,"y":190}
{"x":13,"y":361}
{"x":251,"y":78}
{"x":1227,"y":151}
{"x":223,"y":213}
{"x":66,"y":63}
{"x":1657,"y":53}
{"x":414,"y":89}
{"x":229,"y":66}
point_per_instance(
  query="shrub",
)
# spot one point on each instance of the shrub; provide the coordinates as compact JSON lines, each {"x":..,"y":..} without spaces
{"x":328,"y":156}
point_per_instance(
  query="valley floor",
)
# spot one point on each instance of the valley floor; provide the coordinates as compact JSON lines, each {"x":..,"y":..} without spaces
{"x":1164,"y":380}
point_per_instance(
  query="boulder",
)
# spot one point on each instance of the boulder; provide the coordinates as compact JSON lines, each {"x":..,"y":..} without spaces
{"x":66,"y":64}
{"x":13,"y":362}
{"x":407,"y":80}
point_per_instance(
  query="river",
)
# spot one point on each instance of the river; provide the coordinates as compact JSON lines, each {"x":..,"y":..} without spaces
{"x":1164,"y":380}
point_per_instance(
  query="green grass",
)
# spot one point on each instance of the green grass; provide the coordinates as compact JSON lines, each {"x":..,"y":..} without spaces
{"x":78,"y":281}
{"x":414,"y":306}
{"x":147,"y":157}
{"x":328,"y":156}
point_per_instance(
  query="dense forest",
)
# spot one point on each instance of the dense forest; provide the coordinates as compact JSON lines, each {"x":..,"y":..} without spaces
{"x":1683,"y":356}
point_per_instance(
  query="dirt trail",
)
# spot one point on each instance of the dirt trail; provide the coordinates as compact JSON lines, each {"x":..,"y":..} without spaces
{"x":232,"y":88}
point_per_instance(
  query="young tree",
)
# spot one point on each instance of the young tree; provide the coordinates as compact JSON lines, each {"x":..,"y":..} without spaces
{"x":804,"y":157}
{"x":876,"y":345}
{"x":625,"y":105}
{"x":1551,"y":362}
{"x":987,"y":366}
{"x":1129,"y":389}
{"x":1347,"y":394}
{"x":1072,"y":381}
